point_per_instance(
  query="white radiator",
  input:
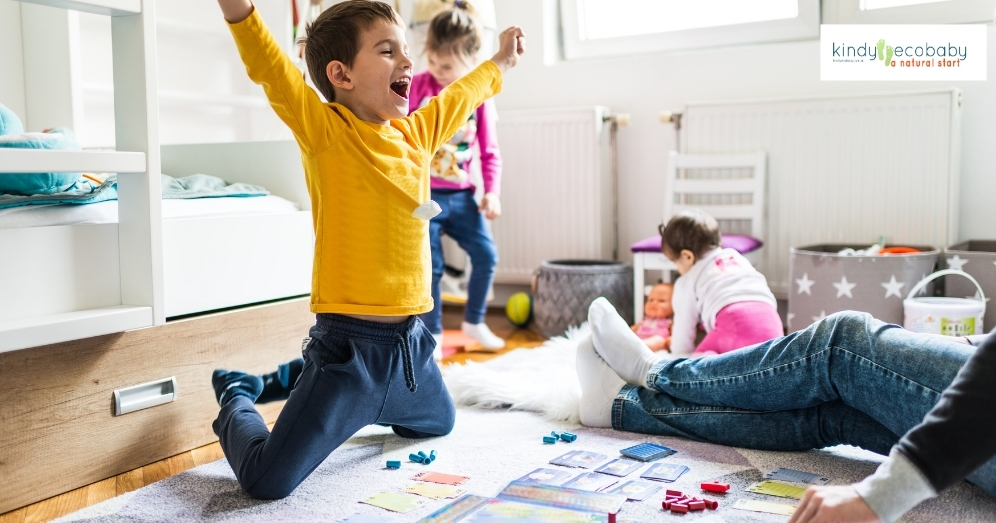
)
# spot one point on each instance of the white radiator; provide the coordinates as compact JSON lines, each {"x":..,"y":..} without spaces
{"x":845,"y":169}
{"x":557,"y":195}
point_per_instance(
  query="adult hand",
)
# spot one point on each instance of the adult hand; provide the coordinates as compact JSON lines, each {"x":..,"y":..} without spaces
{"x":511,"y":44}
{"x":490,"y":206}
{"x":836,"y":504}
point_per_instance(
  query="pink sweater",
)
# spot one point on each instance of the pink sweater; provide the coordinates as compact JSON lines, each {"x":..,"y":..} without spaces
{"x":450,"y":167}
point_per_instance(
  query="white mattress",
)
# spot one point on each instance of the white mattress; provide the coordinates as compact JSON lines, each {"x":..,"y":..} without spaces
{"x":107,"y":212}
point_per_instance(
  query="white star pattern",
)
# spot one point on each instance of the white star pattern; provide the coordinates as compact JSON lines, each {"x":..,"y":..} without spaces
{"x":823,"y":314}
{"x":789,"y":318}
{"x":844,"y":288}
{"x":978,"y":296}
{"x":956,"y":263}
{"x":805,"y":284}
{"x":892,"y":287}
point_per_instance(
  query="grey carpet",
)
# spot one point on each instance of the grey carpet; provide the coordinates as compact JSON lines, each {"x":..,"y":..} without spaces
{"x":494,"y":447}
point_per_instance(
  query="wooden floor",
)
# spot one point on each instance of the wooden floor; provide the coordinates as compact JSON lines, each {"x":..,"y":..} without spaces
{"x":92,"y":494}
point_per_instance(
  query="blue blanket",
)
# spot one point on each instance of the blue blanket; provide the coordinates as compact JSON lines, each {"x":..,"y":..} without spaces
{"x":189,"y":187}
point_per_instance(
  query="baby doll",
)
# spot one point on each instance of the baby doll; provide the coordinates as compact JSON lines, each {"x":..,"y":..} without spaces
{"x":655,"y":327}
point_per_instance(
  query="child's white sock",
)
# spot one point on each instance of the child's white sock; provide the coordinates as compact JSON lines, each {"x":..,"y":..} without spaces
{"x":481,"y":333}
{"x":599,"y":386}
{"x":618,"y":345}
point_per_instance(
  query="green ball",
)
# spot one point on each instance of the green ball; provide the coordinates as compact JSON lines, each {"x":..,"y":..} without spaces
{"x":519,"y":309}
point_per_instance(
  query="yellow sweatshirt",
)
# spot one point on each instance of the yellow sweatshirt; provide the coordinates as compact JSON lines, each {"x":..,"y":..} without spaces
{"x":371,"y":254}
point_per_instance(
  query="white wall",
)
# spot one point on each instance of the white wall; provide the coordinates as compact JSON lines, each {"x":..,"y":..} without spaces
{"x":645,"y":85}
{"x":11,"y":62}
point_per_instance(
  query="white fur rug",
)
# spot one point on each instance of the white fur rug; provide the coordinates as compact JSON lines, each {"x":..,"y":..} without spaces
{"x":542,"y":380}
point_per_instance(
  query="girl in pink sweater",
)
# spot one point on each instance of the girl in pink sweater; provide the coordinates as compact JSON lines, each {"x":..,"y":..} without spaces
{"x":454,"y":38}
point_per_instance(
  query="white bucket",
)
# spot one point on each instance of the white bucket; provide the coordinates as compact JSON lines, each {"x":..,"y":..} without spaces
{"x":947,"y":316}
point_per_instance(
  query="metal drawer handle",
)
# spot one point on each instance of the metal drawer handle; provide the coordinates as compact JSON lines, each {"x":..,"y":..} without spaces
{"x":138,"y":397}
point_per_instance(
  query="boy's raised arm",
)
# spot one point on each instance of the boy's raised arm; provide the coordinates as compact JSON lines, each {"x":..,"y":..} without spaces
{"x":438,"y":121}
{"x":297,"y":104}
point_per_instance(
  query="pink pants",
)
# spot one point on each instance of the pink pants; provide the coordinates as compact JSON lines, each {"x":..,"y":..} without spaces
{"x":740,"y":325}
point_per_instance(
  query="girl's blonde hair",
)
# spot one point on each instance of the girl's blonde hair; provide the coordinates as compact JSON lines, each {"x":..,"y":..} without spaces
{"x":455,"y":31}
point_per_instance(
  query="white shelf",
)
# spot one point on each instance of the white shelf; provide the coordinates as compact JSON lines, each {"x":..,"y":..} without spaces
{"x":97,"y":7}
{"x":56,"y":328}
{"x":45,"y":161}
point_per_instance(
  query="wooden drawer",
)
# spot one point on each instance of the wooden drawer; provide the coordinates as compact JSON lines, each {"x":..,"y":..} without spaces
{"x":57,"y":428}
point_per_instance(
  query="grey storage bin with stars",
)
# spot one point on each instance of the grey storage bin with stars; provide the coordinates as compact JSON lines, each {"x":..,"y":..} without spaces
{"x":977,"y":258}
{"x":823,"y":282}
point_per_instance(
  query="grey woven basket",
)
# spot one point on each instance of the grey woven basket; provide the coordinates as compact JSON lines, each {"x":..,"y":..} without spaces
{"x":564,"y":289}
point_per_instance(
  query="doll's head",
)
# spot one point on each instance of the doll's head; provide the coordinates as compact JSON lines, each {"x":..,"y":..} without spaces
{"x":659,"y":302}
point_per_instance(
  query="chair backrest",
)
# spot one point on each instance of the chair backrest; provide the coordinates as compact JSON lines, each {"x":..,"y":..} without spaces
{"x":730,"y":187}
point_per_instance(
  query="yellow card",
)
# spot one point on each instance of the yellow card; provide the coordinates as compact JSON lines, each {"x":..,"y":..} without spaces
{"x":763,"y":506}
{"x":777,"y":488}
{"x":434,"y":490}
{"x":395,"y":501}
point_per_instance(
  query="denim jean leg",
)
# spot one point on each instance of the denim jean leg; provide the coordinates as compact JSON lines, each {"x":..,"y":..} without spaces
{"x":641,"y":410}
{"x":468,"y":227}
{"x":892,"y":375}
{"x":434,"y":319}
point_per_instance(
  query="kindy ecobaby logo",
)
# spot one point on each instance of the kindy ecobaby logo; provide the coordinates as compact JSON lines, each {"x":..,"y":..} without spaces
{"x":903,"y":52}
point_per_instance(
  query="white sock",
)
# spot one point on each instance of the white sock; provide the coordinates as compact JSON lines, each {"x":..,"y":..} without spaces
{"x":599,"y":386}
{"x":437,"y":353}
{"x":481,"y":333}
{"x":618,"y":345}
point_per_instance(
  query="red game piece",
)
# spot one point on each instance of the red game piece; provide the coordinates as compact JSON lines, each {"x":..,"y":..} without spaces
{"x":666,"y":505}
{"x":715,"y":486}
{"x":711,"y":505}
{"x":697,"y":505}
{"x":679,"y":508}
{"x":673,"y":493}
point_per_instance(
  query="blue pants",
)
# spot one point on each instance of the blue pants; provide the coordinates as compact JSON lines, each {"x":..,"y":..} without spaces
{"x":356,"y":373}
{"x":848,"y":379}
{"x":461,"y":221}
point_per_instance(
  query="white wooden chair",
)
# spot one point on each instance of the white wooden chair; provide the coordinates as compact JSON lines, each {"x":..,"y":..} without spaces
{"x":730,"y":187}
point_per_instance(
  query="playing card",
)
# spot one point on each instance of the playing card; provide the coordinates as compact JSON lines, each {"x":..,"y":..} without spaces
{"x":764,"y":506}
{"x":777,"y":488}
{"x":796,"y":476}
{"x":434,"y":490}
{"x":647,"y":452}
{"x":438,"y":477}
{"x":395,"y":501}
{"x":620,"y":467}
{"x":590,"y":481}
{"x":635,"y":490}
{"x":587,"y":460}
{"x":664,"y":472}
{"x":563,"y":459}
{"x":545,"y":476}
{"x":360,"y":517}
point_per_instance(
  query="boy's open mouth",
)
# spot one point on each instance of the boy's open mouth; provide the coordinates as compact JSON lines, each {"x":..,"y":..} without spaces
{"x":401,"y":86}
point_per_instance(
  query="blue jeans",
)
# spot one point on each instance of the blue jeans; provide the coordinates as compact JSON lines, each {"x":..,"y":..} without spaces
{"x":461,"y":221}
{"x":356,"y":373}
{"x":848,"y":379}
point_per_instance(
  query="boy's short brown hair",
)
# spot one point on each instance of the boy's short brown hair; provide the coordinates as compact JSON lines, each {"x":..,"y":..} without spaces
{"x":335,"y":35}
{"x":693,"y":230}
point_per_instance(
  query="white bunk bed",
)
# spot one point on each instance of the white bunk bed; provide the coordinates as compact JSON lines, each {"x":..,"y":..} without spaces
{"x":68,"y":282}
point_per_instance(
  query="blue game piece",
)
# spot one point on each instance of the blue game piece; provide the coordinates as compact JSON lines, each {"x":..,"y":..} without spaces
{"x":549,"y":439}
{"x":554,"y":434}
{"x":394,"y":464}
{"x":415,"y":457}
{"x":647,"y":452}
{"x":423,"y":454}
{"x":432,"y":455}
{"x":568,"y":437}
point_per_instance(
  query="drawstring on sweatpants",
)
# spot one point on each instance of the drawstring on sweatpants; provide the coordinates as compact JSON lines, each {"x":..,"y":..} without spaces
{"x":406,"y":357}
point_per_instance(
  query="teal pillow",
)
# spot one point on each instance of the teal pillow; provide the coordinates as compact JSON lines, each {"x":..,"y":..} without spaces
{"x":9,"y":122}
{"x":37,"y":183}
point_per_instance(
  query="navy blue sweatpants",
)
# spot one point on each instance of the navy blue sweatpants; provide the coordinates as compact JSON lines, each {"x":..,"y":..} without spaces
{"x":356,"y":373}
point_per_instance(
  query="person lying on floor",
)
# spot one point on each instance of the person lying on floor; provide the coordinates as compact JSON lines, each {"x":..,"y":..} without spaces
{"x":718,"y":288}
{"x":926,"y":401}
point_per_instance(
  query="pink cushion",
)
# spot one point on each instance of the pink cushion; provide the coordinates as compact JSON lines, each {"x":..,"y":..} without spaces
{"x":739,"y":242}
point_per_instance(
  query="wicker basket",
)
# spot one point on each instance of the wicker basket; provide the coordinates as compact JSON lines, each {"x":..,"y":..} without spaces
{"x":564,"y":289}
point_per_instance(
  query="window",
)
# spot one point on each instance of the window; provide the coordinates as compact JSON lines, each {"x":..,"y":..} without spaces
{"x":594,"y":28}
{"x":908,"y":11}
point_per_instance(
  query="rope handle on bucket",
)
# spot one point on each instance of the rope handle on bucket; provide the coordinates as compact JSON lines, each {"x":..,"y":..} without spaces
{"x":948,"y":272}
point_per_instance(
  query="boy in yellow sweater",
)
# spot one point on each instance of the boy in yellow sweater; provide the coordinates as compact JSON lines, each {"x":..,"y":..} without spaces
{"x":369,"y":358}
